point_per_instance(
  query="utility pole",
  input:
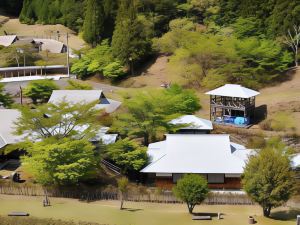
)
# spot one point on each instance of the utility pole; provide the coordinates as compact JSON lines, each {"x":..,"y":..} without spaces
{"x":68,"y":52}
{"x":21,"y":95}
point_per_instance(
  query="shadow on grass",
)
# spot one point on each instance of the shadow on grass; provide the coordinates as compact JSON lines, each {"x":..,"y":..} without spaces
{"x":132,"y":210}
{"x":207,"y":214}
{"x":285,"y":215}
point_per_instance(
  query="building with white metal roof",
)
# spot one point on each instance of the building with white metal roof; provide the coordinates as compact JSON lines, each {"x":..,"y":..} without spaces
{"x":213,"y":156}
{"x":51,"y":45}
{"x":232,"y":104}
{"x":7,"y":40}
{"x":7,"y":127}
{"x":233,"y":90}
{"x":85,"y":96}
{"x":194,"y":124}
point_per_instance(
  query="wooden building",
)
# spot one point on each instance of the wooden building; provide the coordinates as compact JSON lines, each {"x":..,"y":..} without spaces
{"x":213,"y":156}
{"x":232,"y":104}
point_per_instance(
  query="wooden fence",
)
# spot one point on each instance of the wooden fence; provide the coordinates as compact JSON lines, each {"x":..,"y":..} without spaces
{"x":215,"y":198}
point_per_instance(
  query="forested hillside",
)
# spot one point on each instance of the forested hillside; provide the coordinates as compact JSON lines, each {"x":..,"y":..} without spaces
{"x":210,"y":42}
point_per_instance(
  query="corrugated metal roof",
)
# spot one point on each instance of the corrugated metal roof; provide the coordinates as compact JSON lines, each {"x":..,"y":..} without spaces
{"x":194,"y":122}
{"x":51,"y":45}
{"x":75,"y":96}
{"x":196,"y":153}
{"x":79,"y":96}
{"x":233,"y":90}
{"x":7,"y":40}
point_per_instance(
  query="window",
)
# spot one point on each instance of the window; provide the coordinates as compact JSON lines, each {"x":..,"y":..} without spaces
{"x":215,"y":178}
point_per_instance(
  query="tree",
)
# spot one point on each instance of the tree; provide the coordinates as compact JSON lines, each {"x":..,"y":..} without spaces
{"x":76,"y":85}
{"x":192,"y":189}
{"x":40,"y":90}
{"x":63,"y":120}
{"x":293,"y":41}
{"x":62,"y":162}
{"x":129,"y":44}
{"x":122,"y":186}
{"x":93,"y":21}
{"x":5,"y":98}
{"x":268,"y":178}
{"x":98,"y":60}
{"x":148,"y":114}
{"x":127,"y":154}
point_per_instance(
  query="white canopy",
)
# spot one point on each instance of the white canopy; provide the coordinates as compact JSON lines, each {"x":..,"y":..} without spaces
{"x":197,"y":153}
{"x":233,"y":90}
{"x":194,"y":122}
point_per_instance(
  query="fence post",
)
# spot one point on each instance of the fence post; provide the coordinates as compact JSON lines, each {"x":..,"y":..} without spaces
{"x":298,"y":220}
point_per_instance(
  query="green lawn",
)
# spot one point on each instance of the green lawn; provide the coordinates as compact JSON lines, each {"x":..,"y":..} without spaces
{"x":107,"y":212}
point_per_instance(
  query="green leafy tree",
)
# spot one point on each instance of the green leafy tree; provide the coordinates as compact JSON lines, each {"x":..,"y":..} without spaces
{"x":114,"y":70}
{"x":148,"y":114}
{"x":62,"y":162}
{"x":77,"y":85}
{"x":123,"y":188}
{"x":63,"y":120}
{"x":246,"y":27}
{"x":40,"y":90}
{"x":93,"y":21}
{"x":192,"y":189}
{"x":129,"y":43}
{"x":268,"y":178}
{"x":127,"y":154}
{"x":5,"y":98}
{"x":98,"y":60}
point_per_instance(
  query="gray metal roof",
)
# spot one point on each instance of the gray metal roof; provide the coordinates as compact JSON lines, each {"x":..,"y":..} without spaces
{"x":7,"y":40}
{"x":85,"y":96}
{"x":75,"y":96}
{"x":51,"y":45}
{"x":7,"y":127}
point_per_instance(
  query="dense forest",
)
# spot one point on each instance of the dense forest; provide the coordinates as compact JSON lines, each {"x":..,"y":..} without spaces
{"x":210,"y":42}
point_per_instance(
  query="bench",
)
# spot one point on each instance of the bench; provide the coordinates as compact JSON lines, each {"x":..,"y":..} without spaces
{"x":201,"y":218}
{"x":18,"y":214}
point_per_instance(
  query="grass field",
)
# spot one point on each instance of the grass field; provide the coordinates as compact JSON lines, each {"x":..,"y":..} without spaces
{"x":107,"y":212}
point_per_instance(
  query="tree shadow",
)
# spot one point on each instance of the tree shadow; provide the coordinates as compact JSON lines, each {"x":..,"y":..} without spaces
{"x":207,"y":214}
{"x":285,"y":215}
{"x":132,"y":210}
{"x":260,"y":113}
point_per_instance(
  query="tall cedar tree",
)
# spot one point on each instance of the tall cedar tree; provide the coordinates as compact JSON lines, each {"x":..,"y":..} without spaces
{"x":93,"y":21}
{"x":129,"y":44}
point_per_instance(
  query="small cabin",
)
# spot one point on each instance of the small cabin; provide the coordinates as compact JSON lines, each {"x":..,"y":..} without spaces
{"x":232,"y":104}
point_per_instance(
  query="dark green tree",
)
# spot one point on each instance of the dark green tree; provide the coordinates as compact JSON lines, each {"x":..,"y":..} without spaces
{"x":93,"y":21}
{"x":129,"y":44}
{"x":192,"y":189}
